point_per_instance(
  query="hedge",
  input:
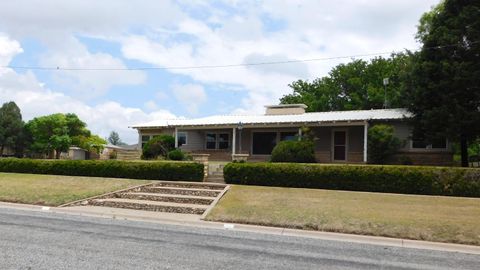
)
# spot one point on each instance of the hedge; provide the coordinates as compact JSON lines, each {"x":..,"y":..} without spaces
{"x":374,"y":178}
{"x":151,"y":170}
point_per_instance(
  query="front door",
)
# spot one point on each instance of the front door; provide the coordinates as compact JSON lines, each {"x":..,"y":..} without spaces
{"x":263,"y":142}
{"x":339,"y":145}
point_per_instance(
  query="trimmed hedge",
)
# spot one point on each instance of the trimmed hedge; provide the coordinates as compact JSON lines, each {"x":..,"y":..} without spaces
{"x":374,"y":178}
{"x":151,"y":170}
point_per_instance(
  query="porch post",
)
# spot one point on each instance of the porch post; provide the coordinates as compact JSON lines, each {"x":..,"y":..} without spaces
{"x":176,"y":137}
{"x":300,"y":134}
{"x":365,"y":141}
{"x":234,"y":137}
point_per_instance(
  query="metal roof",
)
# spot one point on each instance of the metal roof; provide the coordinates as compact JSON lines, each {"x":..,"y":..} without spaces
{"x":313,"y":117}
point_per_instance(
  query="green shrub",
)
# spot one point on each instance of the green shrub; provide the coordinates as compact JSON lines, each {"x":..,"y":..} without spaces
{"x":374,"y":178}
{"x":294,"y":151}
{"x":382,"y":143}
{"x":153,"y":170}
{"x":176,"y":154}
{"x":158,"y":146}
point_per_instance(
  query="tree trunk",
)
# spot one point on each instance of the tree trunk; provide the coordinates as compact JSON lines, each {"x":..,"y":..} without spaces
{"x":1,"y":150}
{"x":464,"y":150}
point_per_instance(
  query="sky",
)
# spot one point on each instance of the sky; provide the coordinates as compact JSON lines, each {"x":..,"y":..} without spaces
{"x":165,"y":35}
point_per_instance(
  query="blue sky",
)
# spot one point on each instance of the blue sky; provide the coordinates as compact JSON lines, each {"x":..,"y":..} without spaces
{"x":126,"y":34}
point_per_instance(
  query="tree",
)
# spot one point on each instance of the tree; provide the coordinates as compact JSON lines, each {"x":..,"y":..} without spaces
{"x":11,"y":127}
{"x":357,"y":85}
{"x":57,"y":132}
{"x":114,"y":138}
{"x":382,"y":143}
{"x":158,"y":146}
{"x":444,"y":81}
{"x":49,"y":133}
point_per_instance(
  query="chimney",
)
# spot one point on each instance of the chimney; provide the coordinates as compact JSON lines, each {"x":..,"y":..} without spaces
{"x":285,"y":109}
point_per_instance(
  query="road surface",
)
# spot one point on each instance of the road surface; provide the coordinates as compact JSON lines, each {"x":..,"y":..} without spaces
{"x":42,"y":240}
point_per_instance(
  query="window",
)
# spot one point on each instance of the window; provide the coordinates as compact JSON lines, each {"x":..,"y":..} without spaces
{"x":181,"y":138}
{"x":223,"y":141}
{"x":145,"y":139}
{"x":263,"y":142}
{"x":211,"y":139}
{"x":217,"y":140}
{"x":288,"y":136}
{"x":420,"y":143}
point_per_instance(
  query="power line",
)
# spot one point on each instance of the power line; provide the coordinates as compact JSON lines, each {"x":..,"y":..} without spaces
{"x":219,"y":66}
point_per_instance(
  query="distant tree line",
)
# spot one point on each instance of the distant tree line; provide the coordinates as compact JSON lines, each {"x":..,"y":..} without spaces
{"x":45,"y":135}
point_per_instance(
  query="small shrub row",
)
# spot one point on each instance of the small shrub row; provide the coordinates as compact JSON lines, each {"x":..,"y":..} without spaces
{"x":151,"y":170}
{"x":374,"y":178}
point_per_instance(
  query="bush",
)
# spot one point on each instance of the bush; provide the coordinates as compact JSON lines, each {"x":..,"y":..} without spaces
{"x":176,"y":154}
{"x":294,"y":151}
{"x":158,"y":146}
{"x":382,"y":143}
{"x":154,"y":170}
{"x":374,"y":178}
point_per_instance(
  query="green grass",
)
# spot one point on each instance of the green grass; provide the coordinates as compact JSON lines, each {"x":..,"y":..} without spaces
{"x":54,"y":190}
{"x":431,"y":218}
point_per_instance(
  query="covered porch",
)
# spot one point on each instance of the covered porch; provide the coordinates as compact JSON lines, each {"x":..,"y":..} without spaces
{"x":336,"y":142}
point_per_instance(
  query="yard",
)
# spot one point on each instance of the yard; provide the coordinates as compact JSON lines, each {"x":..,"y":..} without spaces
{"x":431,"y":218}
{"x":54,"y":190}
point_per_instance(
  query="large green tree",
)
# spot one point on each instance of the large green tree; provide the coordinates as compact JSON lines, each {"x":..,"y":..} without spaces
{"x":11,"y":127}
{"x":114,"y":138}
{"x":357,"y":85}
{"x":444,"y":82}
{"x":57,"y":132}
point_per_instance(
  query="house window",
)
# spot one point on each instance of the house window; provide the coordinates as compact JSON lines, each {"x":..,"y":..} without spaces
{"x":288,"y":136}
{"x":181,"y":138}
{"x":223,"y":140}
{"x":217,"y":140}
{"x":211,"y":140}
{"x":263,"y":142}
{"x":418,"y":143}
{"x":145,"y":139}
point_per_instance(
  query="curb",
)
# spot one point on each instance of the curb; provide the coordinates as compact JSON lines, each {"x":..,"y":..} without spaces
{"x":329,"y":236}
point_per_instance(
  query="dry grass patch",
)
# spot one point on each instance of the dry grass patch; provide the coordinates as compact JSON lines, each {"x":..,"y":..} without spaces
{"x":54,"y":190}
{"x":432,"y":218}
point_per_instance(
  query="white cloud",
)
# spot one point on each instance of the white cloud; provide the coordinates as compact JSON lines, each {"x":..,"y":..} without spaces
{"x":150,"y":105}
{"x":35,"y":100}
{"x":190,"y":95}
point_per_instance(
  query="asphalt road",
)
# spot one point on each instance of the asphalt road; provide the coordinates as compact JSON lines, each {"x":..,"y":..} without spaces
{"x":37,"y":240}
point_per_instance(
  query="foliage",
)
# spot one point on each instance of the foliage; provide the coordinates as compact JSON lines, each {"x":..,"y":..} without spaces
{"x":176,"y":154}
{"x":58,"y":132}
{"x":357,"y":85}
{"x":11,"y":128}
{"x":373,"y":178}
{"x":294,"y":151}
{"x":382,"y":143}
{"x":93,"y":143}
{"x":114,"y":139}
{"x":443,"y":87}
{"x":107,"y":168}
{"x":158,"y":146}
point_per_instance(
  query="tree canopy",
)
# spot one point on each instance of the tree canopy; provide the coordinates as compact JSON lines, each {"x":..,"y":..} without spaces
{"x":58,"y":132}
{"x":357,"y":85}
{"x":444,"y":82}
{"x":11,"y":127}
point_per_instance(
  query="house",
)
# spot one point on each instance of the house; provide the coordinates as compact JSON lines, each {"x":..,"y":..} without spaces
{"x":340,"y":136}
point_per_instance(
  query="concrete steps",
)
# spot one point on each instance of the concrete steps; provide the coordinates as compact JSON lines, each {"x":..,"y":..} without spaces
{"x":151,"y":206}
{"x":166,"y":198}
{"x":215,"y":173}
{"x":170,"y":197}
{"x":129,"y":154}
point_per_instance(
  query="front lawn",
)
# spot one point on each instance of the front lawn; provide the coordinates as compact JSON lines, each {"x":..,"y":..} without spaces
{"x":431,"y":218}
{"x":54,"y":190}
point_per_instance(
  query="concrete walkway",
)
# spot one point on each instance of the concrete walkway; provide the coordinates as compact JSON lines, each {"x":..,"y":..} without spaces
{"x":195,"y":221}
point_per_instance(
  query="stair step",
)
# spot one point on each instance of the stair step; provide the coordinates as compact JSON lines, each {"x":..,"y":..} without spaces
{"x":150,"y":206}
{"x":181,"y":191}
{"x":191,"y":185}
{"x":174,"y":198}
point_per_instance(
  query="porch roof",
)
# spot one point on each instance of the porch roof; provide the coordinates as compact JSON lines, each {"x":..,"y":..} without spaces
{"x":305,"y":118}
